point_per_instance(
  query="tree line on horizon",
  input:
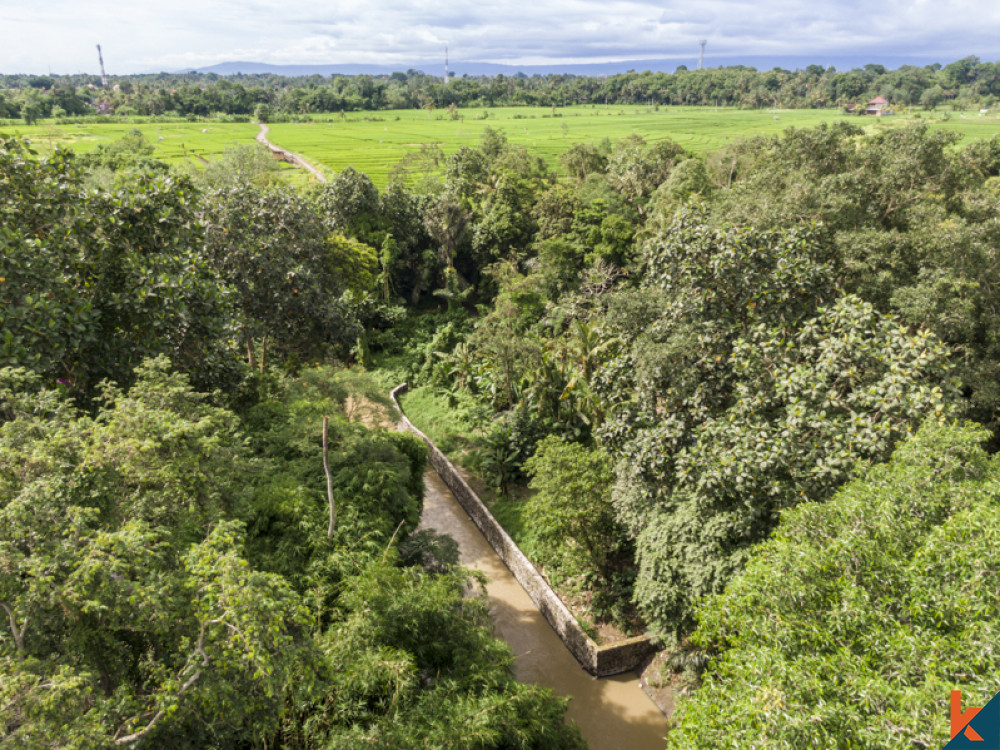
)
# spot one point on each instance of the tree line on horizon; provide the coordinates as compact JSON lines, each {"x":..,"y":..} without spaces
{"x":964,"y":84}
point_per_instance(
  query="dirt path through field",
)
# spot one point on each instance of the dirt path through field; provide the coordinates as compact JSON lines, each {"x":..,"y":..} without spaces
{"x":288,"y":156}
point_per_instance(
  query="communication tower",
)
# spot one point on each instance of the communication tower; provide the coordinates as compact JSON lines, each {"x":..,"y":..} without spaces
{"x":104,"y":76}
{"x":701,"y":57}
{"x":446,"y":74}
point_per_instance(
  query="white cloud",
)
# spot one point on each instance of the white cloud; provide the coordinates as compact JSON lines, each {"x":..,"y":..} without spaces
{"x":144,"y":35}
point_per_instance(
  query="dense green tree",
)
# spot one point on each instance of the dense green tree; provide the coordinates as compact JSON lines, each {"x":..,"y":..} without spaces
{"x":34,"y":107}
{"x":852,"y":624}
{"x":349,"y":204}
{"x":125,"y":586}
{"x":969,"y":82}
{"x":250,"y":162}
{"x":635,"y":168}
{"x":560,"y":264}
{"x":689,"y":180}
{"x":582,"y":159}
{"x":501,"y":341}
{"x":409,"y":261}
{"x":573,"y":521}
{"x":93,"y":282}
{"x":911,"y":221}
{"x":170,"y":582}
{"x":132,"y":151}
{"x":554,"y":210}
{"x":272,"y":249}
{"x":738,"y":396}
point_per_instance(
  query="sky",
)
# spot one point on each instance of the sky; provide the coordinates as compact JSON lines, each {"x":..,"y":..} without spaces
{"x":143,"y":36}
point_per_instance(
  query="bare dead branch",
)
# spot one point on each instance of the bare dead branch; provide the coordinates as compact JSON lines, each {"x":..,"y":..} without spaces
{"x":15,"y":631}
{"x":329,"y":480}
{"x":199,"y":650}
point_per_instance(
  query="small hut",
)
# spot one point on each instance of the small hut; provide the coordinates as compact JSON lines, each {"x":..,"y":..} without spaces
{"x":878,"y":107}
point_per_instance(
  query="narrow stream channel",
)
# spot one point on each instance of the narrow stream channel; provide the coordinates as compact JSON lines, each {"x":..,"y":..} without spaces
{"x":613,"y":713}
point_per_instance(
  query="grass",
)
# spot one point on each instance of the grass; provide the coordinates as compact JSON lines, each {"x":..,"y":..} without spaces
{"x":192,"y":144}
{"x":174,"y":142}
{"x":448,"y":423}
{"x":373,"y":142}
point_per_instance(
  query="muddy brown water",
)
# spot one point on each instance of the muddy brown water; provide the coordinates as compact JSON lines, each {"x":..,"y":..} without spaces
{"x":613,"y":713}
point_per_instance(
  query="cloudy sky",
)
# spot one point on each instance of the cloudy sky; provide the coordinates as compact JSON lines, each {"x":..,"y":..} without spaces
{"x":142,"y":36}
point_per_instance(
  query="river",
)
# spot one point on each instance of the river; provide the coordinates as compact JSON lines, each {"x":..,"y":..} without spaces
{"x":613,"y":712}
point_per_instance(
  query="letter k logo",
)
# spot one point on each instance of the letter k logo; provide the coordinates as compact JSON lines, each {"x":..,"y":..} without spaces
{"x":960,"y":721}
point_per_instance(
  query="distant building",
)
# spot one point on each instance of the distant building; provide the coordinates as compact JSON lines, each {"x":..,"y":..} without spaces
{"x":878,"y":107}
{"x":103,"y":108}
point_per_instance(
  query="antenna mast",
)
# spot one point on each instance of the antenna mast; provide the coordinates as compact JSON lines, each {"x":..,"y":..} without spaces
{"x":104,"y":76}
{"x":446,"y":75}
{"x":701,"y":57}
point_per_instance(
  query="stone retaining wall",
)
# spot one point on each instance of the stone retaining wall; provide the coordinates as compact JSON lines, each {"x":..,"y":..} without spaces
{"x":600,"y":661}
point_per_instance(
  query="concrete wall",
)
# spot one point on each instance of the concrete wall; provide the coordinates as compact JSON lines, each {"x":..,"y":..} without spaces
{"x":600,"y":661}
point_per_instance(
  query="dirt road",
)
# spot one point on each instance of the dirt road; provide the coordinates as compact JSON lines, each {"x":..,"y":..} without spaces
{"x":288,"y":156}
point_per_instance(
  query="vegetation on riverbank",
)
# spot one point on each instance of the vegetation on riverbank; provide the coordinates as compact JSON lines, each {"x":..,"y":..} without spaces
{"x":198,"y":545}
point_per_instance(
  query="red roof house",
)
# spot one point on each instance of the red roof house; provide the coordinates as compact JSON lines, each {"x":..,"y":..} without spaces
{"x":878,"y":107}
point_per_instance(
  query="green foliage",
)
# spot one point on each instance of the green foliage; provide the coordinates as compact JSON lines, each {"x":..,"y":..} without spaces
{"x":131,"y":153}
{"x":554,"y":210}
{"x":744,"y":400}
{"x":349,"y":204}
{"x":911,"y":223}
{"x":804,"y":410}
{"x":739,"y":276}
{"x":572,"y":518}
{"x":636,"y":169}
{"x":493,"y":189}
{"x":446,"y":358}
{"x":499,"y":458}
{"x":242,"y":163}
{"x":560,"y":264}
{"x":499,"y":338}
{"x":95,"y":282}
{"x":449,"y":419}
{"x":393,"y":222}
{"x":353,"y":263}
{"x":852,"y":624}
{"x":688,"y":181}
{"x":407,"y":255}
{"x":581,"y":160}
{"x":127,"y":585}
{"x":396,"y":683}
{"x":743,"y":335}
{"x":169,"y":581}
{"x":272,"y":249}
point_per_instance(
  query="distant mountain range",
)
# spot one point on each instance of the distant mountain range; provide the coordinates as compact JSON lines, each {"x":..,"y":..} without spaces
{"x":472,"y":68}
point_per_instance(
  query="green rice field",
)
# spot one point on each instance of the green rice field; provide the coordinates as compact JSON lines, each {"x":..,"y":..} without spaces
{"x":373,"y":142}
{"x":174,"y":141}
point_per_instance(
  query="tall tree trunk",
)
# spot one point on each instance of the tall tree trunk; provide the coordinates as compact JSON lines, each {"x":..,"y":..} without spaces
{"x":251,"y":353}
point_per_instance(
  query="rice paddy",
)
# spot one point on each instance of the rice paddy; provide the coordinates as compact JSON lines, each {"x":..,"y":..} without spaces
{"x":374,"y":142}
